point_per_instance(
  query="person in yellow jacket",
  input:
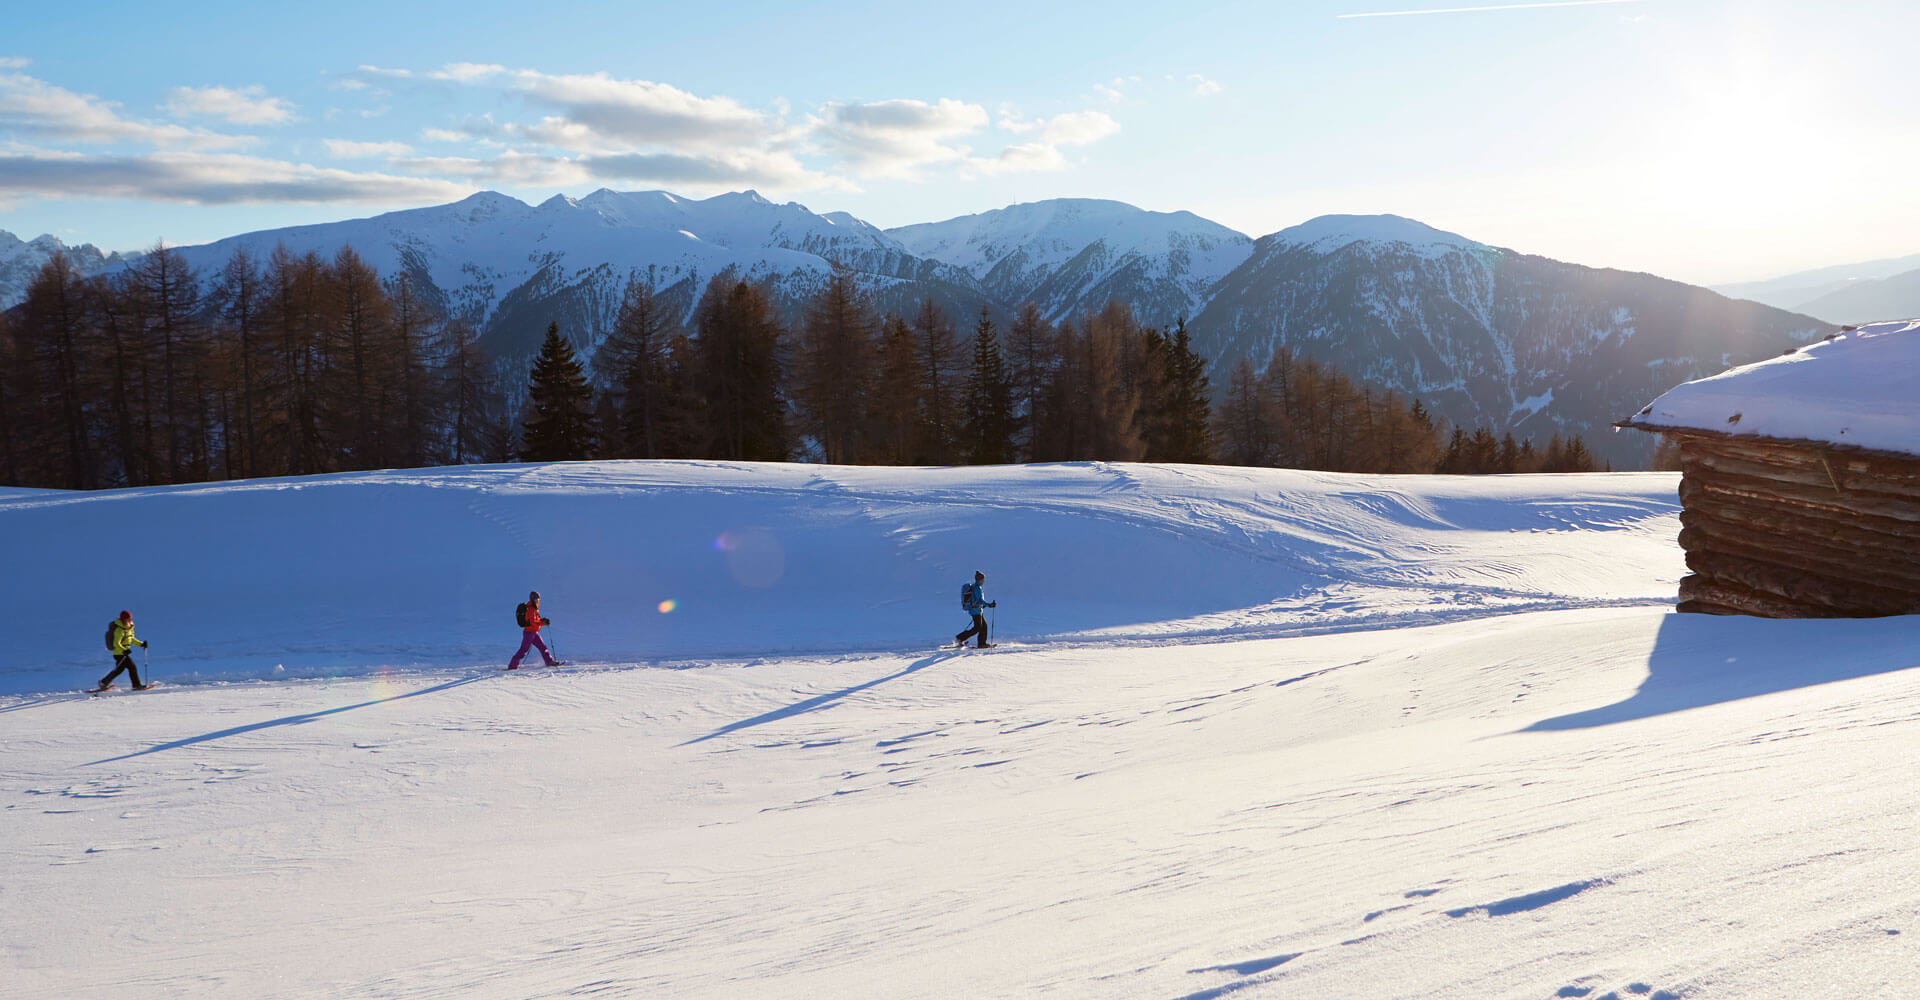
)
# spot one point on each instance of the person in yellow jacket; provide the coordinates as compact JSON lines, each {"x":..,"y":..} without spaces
{"x":120,"y":642}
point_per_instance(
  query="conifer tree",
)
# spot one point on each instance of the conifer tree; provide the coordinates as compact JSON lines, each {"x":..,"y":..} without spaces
{"x":53,"y":325}
{"x":170,"y":294}
{"x":633,"y":364}
{"x":11,"y":452}
{"x":940,"y":374}
{"x":1031,"y":356}
{"x":558,"y":425}
{"x":237,"y":295}
{"x":474,"y":408}
{"x":739,"y":351}
{"x":987,"y":427}
{"x":1186,"y":424}
{"x":832,"y":378}
{"x":893,"y":416}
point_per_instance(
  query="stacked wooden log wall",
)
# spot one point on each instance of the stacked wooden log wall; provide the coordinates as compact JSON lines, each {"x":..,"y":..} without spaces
{"x":1797,"y":530}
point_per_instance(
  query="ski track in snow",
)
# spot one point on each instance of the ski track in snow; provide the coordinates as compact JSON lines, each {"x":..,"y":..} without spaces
{"x":1458,"y":749}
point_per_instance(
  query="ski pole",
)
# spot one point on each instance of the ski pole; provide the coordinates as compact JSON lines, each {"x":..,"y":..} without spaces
{"x":554,"y":646}
{"x":146,"y":663}
{"x":993,"y":626}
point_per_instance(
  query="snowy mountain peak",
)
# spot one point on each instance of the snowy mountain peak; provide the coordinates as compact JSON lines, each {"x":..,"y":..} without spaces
{"x":482,"y":205}
{"x":1072,"y":255}
{"x":1330,"y":233}
{"x":21,"y":260}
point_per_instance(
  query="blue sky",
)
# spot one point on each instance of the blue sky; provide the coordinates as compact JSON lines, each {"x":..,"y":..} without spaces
{"x":1706,"y":141}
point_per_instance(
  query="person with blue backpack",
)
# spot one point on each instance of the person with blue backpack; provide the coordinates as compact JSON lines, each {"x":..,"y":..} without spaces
{"x":973,"y":600}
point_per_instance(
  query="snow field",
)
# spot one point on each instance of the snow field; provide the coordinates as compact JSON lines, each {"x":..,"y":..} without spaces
{"x":1412,"y":737}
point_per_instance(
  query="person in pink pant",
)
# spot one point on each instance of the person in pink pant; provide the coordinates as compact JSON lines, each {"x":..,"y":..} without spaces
{"x":530,"y":622}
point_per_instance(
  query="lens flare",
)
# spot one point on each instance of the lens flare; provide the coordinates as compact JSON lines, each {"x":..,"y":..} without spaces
{"x":667,"y":606}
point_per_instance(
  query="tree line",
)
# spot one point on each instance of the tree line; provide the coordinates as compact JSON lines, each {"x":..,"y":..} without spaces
{"x":289,"y":366}
{"x":301,"y":364}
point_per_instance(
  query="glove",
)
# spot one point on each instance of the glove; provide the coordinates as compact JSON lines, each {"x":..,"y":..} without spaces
{"x":546,"y":621}
{"x":993,"y":604}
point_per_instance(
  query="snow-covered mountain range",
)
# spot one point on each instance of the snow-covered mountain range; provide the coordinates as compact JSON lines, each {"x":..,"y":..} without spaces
{"x":21,"y":259}
{"x":1484,"y":335}
{"x":1073,"y":254}
{"x":511,"y":267}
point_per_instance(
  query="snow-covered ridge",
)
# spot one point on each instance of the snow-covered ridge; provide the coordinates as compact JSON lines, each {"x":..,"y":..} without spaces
{"x":21,"y":260}
{"x":1071,"y":255}
{"x":1854,"y":389}
{"x":1330,"y":233}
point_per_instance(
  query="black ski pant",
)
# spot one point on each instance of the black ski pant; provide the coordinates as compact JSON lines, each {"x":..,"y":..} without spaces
{"x":122,"y":661}
{"x":979,"y":628}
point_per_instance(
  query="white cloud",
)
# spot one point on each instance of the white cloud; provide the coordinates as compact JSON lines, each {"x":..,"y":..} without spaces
{"x":468,"y":72}
{"x":1078,"y":128}
{"x":1203,"y":87}
{"x":510,"y":168}
{"x":597,"y":127}
{"x":245,"y":106}
{"x":348,"y":149}
{"x":610,"y":112}
{"x":775,"y":171}
{"x":33,"y":108}
{"x":14,"y":62}
{"x":209,"y":179}
{"x":1028,"y":157}
{"x":895,"y":138}
{"x":1043,"y":153}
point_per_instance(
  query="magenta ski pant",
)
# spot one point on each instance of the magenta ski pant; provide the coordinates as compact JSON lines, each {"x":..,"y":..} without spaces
{"x":531,"y":640}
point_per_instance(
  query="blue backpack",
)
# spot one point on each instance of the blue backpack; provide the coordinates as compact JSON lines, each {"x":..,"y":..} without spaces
{"x":966,"y":597}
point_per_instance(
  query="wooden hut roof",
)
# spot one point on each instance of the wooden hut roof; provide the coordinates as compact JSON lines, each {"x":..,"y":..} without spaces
{"x":1856,"y":390}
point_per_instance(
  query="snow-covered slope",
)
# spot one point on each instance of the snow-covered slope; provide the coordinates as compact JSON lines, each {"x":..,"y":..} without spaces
{"x":1073,"y":255}
{"x":21,"y":260}
{"x":512,"y":268}
{"x":1484,"y":336}
{"x":1259,"y":734}
{"x":762,"y":559}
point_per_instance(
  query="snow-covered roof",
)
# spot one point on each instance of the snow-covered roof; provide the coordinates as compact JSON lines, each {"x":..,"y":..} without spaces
{"x":1856,"y":389}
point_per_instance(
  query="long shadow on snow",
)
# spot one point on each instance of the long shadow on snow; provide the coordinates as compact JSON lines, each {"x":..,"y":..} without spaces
{"x":291,"y":720}
{"x":1701,"y":660}
{"x":820,"y":701}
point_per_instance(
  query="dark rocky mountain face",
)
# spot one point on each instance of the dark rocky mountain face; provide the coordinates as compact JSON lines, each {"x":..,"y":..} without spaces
{"x":1487,"y":336}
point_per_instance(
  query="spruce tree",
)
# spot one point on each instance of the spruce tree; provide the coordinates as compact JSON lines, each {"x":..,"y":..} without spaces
{"x":1188,"y":412}
{"x":987,"y":423}
{"x":558,"y":426}
{"x":739,"y":351}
